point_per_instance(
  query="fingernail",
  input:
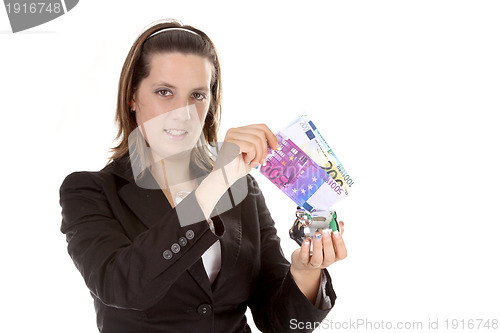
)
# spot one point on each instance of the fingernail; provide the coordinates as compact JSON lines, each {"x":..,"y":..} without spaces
{"x":306,"y":242}
{"x":336,"y":234}
{"x":326,"y":232}
{"x":264,"y":162}
{"x":318,"y":236}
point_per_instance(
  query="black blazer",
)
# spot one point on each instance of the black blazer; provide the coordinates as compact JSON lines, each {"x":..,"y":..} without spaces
{"x":144,"y":269}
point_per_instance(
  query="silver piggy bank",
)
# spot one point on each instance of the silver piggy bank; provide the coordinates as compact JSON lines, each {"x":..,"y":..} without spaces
{"x":308,"y":223}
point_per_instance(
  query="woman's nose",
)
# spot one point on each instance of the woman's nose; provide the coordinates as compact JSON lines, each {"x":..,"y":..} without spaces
{"x":182,"y":113}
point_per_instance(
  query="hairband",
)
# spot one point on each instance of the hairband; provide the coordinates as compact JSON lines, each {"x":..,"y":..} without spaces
{"x":168,"y":29}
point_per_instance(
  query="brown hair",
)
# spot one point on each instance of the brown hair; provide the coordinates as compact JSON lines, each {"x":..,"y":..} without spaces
{"x":138,"y":65}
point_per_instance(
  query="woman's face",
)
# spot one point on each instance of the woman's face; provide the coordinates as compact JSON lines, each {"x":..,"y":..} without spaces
{"x":172,"y":102}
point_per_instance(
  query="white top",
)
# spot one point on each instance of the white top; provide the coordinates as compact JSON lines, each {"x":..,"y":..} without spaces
{"x":212,"y":256}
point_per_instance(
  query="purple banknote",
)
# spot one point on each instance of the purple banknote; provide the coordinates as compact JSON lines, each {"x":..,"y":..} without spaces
{"x":299,"y":177}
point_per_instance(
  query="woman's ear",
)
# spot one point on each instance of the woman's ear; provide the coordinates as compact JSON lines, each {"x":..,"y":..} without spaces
{"x":131,"y":104}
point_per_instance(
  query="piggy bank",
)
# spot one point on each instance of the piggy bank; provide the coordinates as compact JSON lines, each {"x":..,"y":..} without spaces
{"x":308,"y":223}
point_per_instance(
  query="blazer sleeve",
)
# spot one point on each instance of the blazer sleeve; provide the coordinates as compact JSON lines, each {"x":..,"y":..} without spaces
{"x":123,"y":272}
{"x":277,"y":303}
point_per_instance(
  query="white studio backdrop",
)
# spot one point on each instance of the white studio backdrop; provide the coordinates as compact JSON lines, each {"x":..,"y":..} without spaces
{"x":405,"y":92}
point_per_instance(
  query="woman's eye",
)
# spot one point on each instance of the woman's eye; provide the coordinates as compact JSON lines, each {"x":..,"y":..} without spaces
{"x":198,"y":96}
{"x":164,"y":92}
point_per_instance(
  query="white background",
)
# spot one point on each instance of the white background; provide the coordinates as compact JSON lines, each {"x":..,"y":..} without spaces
{"x":405,"y":92}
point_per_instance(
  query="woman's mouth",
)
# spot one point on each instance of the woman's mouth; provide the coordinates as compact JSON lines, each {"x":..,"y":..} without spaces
{"x":175,"y":134}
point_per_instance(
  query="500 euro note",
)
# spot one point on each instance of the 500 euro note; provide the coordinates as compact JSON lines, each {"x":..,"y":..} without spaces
{"x":299,"y":177}
{"x":307,"y":137}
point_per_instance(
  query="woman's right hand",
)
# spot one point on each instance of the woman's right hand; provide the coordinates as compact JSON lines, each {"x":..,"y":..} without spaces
{"x":243,"y":149}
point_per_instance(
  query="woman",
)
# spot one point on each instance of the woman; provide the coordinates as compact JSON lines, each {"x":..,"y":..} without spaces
{"x":166,"y":239}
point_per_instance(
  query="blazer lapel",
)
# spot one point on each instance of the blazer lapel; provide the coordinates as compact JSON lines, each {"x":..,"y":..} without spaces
{"x":231,"y":240}
{"x":148,"y":205}
{"x":199,"y":274}
{"x":144,"y":197}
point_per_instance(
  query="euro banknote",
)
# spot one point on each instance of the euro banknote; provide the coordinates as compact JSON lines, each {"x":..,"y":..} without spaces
{"x":305,"y":134}
{"x":299,"y":177}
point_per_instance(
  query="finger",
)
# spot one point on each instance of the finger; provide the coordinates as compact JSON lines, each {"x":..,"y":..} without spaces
{"x":251,"y":145}
{"x":341,"y":224}
{"x":246,"y":149}
{"x":317,"y":256}
{"x":262,"y":142}
{"x":270,"y":137}
{"x":304,"y":252}
{"x":227,"y":153}
{"x":246,"y":146}
{"x":243,"y":165}
{"x":328,"y":249}
{"x":340,"y":249}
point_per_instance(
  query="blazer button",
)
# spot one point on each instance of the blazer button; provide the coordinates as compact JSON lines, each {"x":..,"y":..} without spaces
{"x":204,"y":310}
{"x":175,"y":248}
{"x":183,"y":241}
{"x":167,"y":254}
{"x":190,"y":234}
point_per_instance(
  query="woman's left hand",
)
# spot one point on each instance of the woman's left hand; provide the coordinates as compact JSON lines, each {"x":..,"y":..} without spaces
{"x":327,"y":249}
{"x":306,"y":269}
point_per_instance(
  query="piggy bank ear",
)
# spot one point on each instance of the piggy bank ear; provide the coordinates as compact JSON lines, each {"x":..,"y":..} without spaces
{"x":25,"y":15}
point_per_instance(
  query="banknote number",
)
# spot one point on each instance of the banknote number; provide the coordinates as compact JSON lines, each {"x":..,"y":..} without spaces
{"x":274,"y":174}
{"x":344,"y":174}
